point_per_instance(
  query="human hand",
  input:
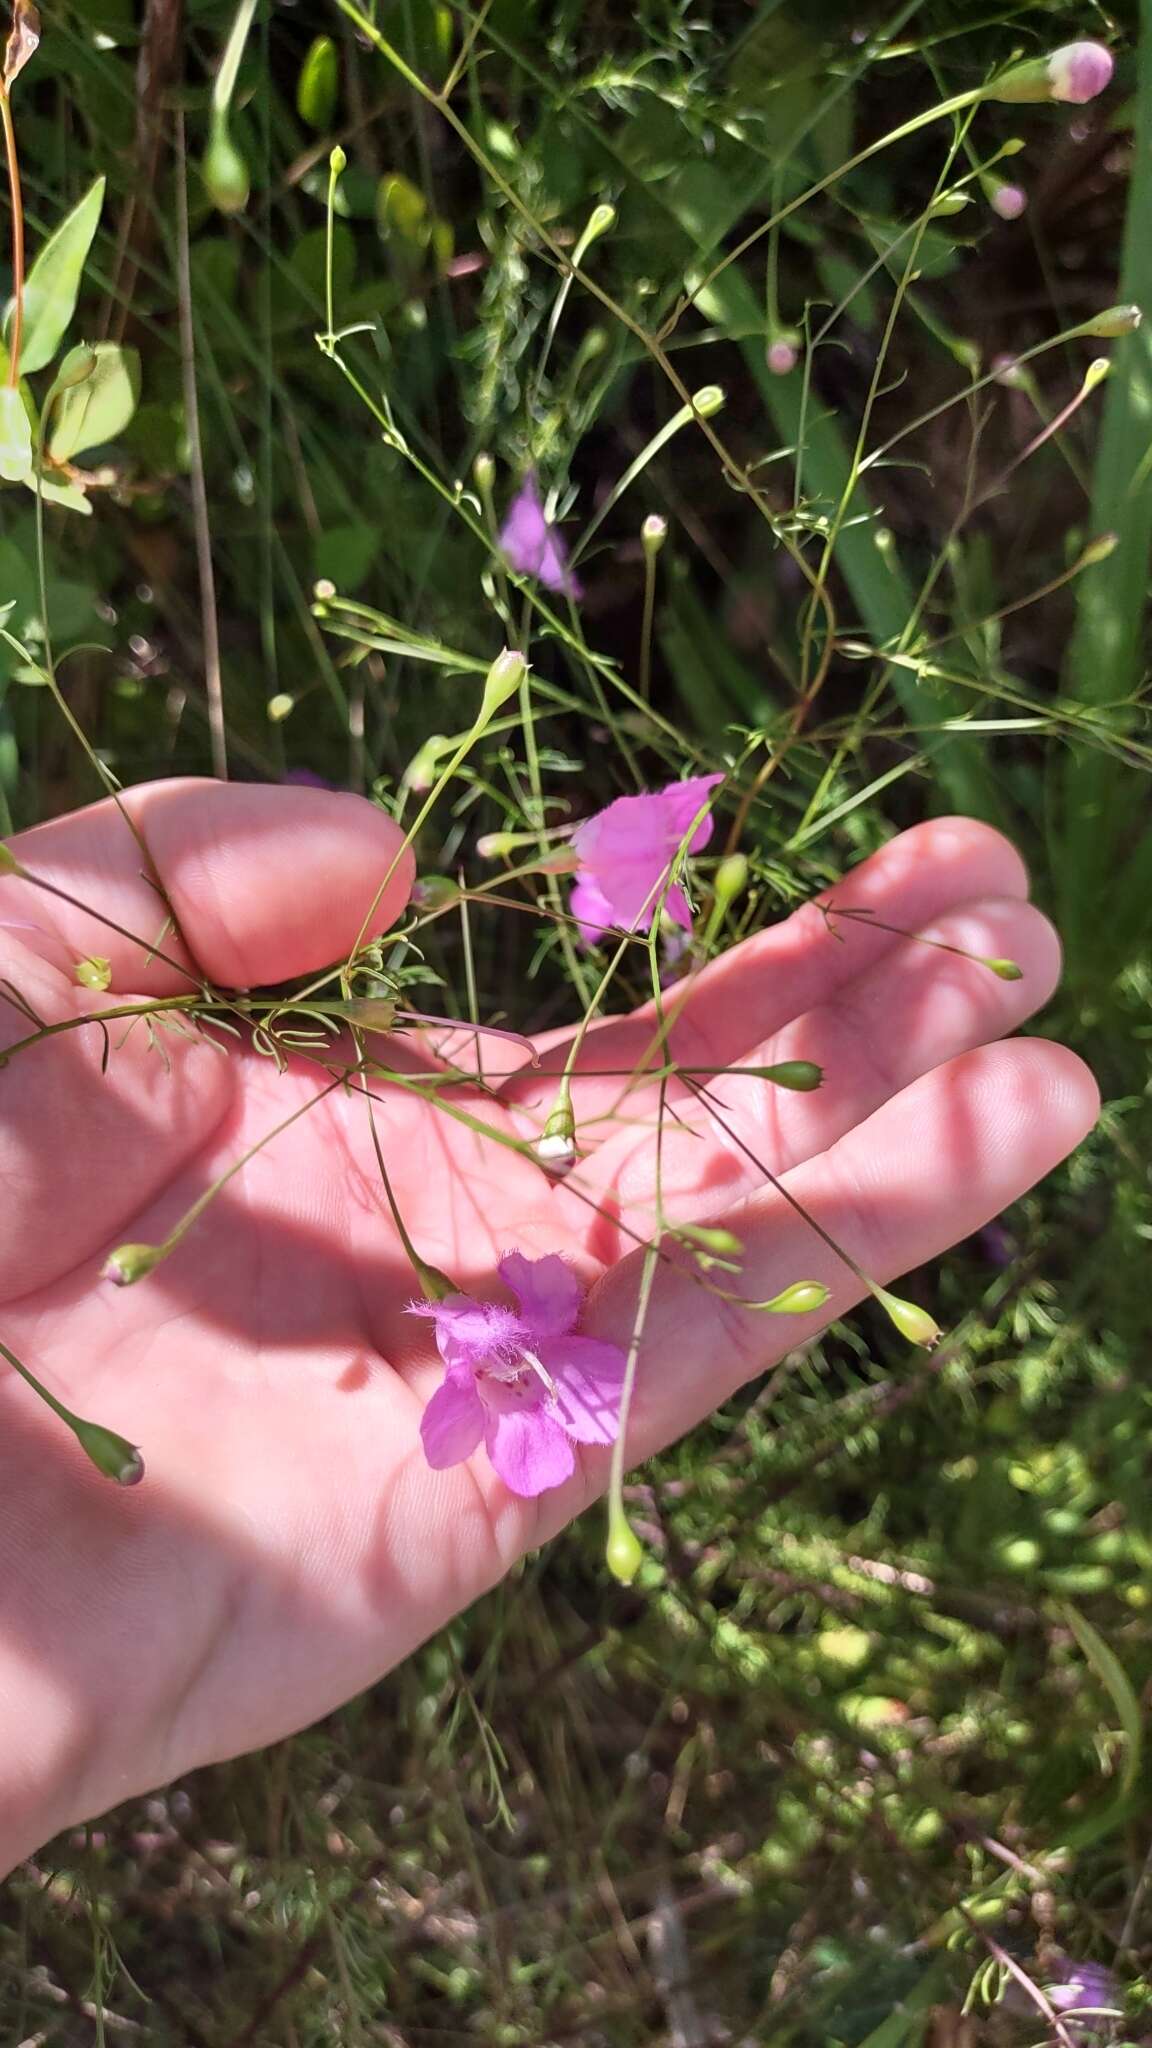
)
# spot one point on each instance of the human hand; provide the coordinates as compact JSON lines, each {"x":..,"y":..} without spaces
{"x":290,"y":1542}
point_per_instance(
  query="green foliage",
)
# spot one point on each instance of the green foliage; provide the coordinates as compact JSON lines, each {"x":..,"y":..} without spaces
{"x":881,"y":1682}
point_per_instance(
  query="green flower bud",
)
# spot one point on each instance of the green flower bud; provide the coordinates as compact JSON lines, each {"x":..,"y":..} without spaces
{"x":111,"y":1454}
{"x":94,"y":972}
{"x":624,"y":1552}
{"x":913,"y":1322}
{"x":653,"y":535}
{"x":279,"y":707}
{"x":730,"y":879}
{"x":1115,"y":320}
{"x":130,"y":1262}
{"x":710,"y":399}
{"x":484,"y":471}
{"x":601,"y":221}
{"x":1099,"y":550}
{"x":803,"y":1298}
{"x":502,"y":682}
{"x":1007,"y":970}
{"x":555,"y":1148}
{"x":224,"y":170}
{"x":337,"y":161}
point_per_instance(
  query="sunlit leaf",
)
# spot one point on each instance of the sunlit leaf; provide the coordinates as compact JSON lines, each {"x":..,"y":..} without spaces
{"x":53,"y":283}
{"x":86,"y":414}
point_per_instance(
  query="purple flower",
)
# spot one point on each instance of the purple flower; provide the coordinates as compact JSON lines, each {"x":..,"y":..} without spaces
{"x":1078,"y":71}
{"x":519,"y":1380}
{"x":532,"y":545}
{"x":1009,"y":201}
{"x":626,"y":852}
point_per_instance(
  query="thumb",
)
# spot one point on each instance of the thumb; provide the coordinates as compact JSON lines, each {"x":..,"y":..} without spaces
{"x":264,"y":882}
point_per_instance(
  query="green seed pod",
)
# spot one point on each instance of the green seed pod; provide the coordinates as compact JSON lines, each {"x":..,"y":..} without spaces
{"x":319,"y":84}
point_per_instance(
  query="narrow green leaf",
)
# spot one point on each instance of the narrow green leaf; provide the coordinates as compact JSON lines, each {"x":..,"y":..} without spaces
{"x":53,"y":284}
{"x":97,"y":410}
{"x":1117,"y":1684}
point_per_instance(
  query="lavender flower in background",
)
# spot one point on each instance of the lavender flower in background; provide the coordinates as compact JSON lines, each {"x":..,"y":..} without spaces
{"x":626,"y":852}
{"x":307,"y":778}
{"x":532,"y":545}
{"x":519,"y":1380}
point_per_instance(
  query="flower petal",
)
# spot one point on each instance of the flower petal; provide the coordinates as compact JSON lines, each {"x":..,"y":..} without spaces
{"x":547,"y":1290}
{"x":469,"y":1332}
{"x":529,"y":1451}
{"x":682,"y":801}
{"x":592,"y":910}
{"x":587,"y":1376}
{"x":451,"y":1426}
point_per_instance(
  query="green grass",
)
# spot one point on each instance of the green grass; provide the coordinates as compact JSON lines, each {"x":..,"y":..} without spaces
{"x":872,"y":1717}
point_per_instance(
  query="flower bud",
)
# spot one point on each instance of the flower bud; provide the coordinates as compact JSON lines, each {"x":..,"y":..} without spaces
{"x":949,"y":203}
{"x":279,"y":707}
{"x":712,"y":1238}
{"x":337,"y":161}
{"x":1006,"y":970}
{"x":601,"y":221}
{"x":130,"y":1262}
{"x":730,"y":879}
{"x":319,"y":83}
{"x":555,"y":1148}
{"x":323,"y":590}
{"x":709,"y":400}
{"x":1113,"y":321}
{"x":224,"y":170}
{"x":1072,"y":74}
{"x":484,"y":471}
{"x":803,"y":1298}
{"x":624,"y":1552}
{"x":913,"y":1322}
{"x":1098,"y":550}
{"x":1095,"y":374}
{"x":420,"y":773}
{"x":783,"y":353}
{"x":653,"y":535}
{"x":801,"y":1075}
{"x":94,"y":972}
{"x":502,"y":682}
{"x":1008,"y":201}
{"x":111,"y":1454}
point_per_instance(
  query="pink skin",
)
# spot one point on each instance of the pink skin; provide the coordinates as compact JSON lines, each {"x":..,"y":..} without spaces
{"x":625,"y":852}
{"x":1078,"y":71}
{"x":290,"y":1542}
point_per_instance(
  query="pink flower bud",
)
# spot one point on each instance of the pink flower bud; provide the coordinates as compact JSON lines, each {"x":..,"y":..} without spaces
{"x":1009,"y":201}
{"x":782,"y":357}
{"x":1078,"y":71}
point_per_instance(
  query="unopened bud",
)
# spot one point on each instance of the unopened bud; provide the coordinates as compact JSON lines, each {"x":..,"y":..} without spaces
{"x":501,"y":682}
{"x":713,"y":1238}
{"x":484,"y":471}
{"x":800,"y":1075}
{"x":224,"y":170}
{"x":337,"y":161}
{"x":1095,"y":374}
{"x":111,"y":1454}
{"x":420,"y":773}
{"x":1113,"y":321}
{"x":601,"y":221}
{"x":1072,"y":74}
{"x":708,"y":400}
{"x":948,"y":203}
{"x":730,"y":879}
{"x":555,"y":1148}
{"x":782,"y":355}
{"x":1099,"y":550}
{"x":323,"y":590}
{"x":913,"y":1322}
{"x":130,"y":1262}
{"x":624,"y":1552}
{"x":1008,"y":201}
{"x":94,"y":972}
{"x":279,"y":707}
{"x":653,"y":535}
{"x":1006,"y":970}
{"x":803,"y":1298}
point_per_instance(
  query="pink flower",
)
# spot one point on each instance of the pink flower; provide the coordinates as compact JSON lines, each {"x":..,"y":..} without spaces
{"x":1078,"y":71}
{"x":783,"y":356}
{"x":519,"y":1380}
{"x":1009,"y":201}
{"x":626,"y":854}
{"x":532,"y":545}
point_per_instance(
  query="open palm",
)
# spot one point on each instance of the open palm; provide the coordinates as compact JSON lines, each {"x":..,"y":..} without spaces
{"x":290,"y":1542}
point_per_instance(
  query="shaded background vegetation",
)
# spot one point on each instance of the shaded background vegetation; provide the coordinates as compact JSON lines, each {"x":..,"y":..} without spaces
{"x":871,"y":1720}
